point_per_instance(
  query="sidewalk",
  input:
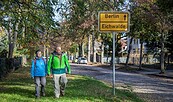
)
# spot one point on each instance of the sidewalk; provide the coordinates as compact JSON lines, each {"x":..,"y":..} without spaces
{"x":151,"y":71}
{"x":146,"y":83}
{"x":155,"y":72}
{"x":145,"y":71}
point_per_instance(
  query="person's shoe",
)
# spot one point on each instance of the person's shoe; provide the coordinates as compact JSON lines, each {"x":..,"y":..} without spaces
{"x":62,"y":93}
{"x":43,"y":94}
{"x":56,"y":96}
{"x":37,"y":97}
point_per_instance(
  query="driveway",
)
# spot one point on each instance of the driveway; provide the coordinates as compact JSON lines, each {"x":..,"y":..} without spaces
{"x":151,"y":89}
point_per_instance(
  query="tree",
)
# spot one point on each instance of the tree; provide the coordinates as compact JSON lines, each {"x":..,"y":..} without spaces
{"x":145,"y":28}
{"x":155,"y":22}
{"x":81,"y":18}
{"x":165,"y":25}
{"x":3,"y":40}
{"x":34,"y":18}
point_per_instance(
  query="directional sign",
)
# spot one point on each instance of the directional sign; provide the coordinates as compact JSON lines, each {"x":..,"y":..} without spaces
{"x":114,"y":21}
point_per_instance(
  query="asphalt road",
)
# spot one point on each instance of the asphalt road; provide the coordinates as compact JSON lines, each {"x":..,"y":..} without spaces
{"x":151,"y":89}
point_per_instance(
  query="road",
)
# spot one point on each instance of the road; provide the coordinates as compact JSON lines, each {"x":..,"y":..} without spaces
{"x":149,"y":88}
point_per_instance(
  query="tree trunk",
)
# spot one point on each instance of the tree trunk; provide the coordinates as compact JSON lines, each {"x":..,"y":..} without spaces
{"x":11,"y":48}
{"x":12,"y":38}
{"x":44,"y":50}
{"x":47,"y":53}
{"x":102,"y":53}
{"x":162,"y":55}
{"x":94,"y":49}
{"x":80,"y":50}
{"x":10,"y":41}
{"x":15,"y":36}
{"x":32,"y":52}
{"x":129,"y":50}
{"x":89,"y":48}
{"x":140,"y":61}
{"x":77,"y":52}
{"x":83,"y":52}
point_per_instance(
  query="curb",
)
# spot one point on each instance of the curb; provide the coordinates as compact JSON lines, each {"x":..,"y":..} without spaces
{"x":161,"y":75}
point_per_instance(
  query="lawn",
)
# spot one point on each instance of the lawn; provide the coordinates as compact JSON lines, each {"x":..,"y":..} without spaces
{"x":19,"y":87}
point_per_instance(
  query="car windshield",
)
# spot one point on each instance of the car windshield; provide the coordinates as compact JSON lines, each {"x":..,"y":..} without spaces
{"x":83,"y":58}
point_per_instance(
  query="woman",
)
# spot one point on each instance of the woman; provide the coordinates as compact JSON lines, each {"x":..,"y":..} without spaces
{"x":38,"y":73}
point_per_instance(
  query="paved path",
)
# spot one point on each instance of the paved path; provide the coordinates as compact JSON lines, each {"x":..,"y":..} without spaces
{"x":149,"y":88}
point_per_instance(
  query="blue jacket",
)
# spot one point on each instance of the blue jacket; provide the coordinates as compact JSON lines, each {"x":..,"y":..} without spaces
{"x":38,"y":67}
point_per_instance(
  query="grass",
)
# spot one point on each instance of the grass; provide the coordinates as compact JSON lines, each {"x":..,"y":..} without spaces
{"x":19,"y":87}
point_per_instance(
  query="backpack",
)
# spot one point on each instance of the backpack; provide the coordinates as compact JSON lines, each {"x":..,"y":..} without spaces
{"x":35,"y":61}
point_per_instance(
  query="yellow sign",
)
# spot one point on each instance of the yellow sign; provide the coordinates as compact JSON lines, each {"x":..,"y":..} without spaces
{"x":114,"y":21}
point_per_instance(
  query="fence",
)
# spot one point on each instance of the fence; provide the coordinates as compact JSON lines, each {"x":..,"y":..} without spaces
{"x":133,"y":60}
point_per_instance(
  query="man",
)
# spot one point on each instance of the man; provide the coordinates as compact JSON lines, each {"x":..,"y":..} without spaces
{"x":57,"y":65}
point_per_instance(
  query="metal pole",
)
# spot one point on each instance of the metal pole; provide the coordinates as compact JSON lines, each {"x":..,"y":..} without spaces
{"x":107,"y":55}
{"x":114,"y":40}
{"x":113,"y":63}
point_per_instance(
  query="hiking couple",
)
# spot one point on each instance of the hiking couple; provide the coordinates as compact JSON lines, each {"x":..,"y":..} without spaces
{"x":56,"y":66}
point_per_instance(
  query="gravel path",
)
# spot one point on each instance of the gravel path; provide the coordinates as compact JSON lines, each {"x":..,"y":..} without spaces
{"x":148,"y":88}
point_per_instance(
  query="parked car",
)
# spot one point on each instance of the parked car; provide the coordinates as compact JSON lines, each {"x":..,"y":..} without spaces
{"x":82,"y":60}
{"x":75,"y":60}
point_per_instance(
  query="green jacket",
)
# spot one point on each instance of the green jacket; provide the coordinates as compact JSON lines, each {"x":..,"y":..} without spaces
{"x":58,"y":65}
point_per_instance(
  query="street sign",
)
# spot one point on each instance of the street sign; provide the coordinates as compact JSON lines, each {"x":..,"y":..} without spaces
{"x":110,"y":21}
{"x":113,"y":21}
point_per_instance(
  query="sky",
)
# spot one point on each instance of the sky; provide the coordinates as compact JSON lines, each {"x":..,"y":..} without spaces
{"x":57,"y":15}
{"x":59,"y":18}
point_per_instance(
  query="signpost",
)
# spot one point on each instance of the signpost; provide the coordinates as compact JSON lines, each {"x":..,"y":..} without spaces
{"x":116,"y":22}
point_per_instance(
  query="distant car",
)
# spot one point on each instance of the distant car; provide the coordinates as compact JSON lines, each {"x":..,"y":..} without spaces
{"x":82,"y":60}
{"x":75,"y":60}
{"x":46,"y":58}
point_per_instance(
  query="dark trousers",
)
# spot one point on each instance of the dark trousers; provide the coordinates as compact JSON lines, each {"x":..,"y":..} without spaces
{"x":40,"y":82}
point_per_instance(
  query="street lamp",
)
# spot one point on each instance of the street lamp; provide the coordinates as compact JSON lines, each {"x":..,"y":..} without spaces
{"x":107,"y":47}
